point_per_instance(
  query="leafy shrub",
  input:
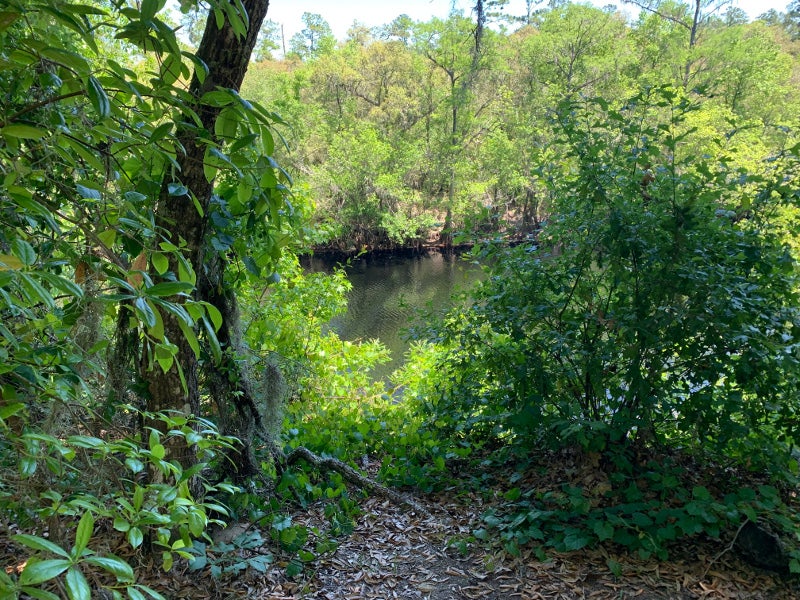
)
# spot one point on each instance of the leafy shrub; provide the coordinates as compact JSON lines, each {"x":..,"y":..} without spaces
{"x":653,"y":309}
{"x":658,"y":310}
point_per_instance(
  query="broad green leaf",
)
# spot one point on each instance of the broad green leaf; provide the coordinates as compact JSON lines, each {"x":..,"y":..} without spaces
{"x":121,"y":524}
{"x":158,"y":451}
{"x":160,"y":132}
{"x":216,"y":350}
{"x":217,"y":98}
{"x":63,"y":284}
{"x":9,"y":410}
{"x":145,"y":312}
{"x":135,"y":537}
{"x":8,"y":261}
{"x":135,"y":594}
{"x":171,"y":69}
{"x":177,"y":189}
{"x":7,"y":18}
{"x":108,"y":237}
{"x":83,"y":534}
{"x":150,"y":8}
{"x":214,"y":315}
{"x":165,"y":360}
{"x":85,"y":441}
{"x":190,"y":336}
{"x":166,"y":560}
{"x":160,"y":262}
{"x":37,"y":543}
{"x":185,"y":271}
{"x":98,"y":97}
{"x":90,"y":193}
{"x":39,"y":571}
{"x":168,"y":288}
{"x":39,"y":593}
{"x":114,"y":565}
{"x":35,"y":292}
{"x":24,"y":251}
{"x":23,"y":132}
{"x":227,"y":123}
{"x":77,"y":586}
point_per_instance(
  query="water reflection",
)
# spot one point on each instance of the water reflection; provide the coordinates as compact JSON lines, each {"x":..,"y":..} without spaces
{"x":390,"y":293}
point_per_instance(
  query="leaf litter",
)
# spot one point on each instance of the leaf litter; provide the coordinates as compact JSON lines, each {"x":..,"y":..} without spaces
{"x":395,"y":553}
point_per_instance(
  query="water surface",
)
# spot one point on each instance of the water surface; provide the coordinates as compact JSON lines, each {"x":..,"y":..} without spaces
{"x":390,"y":294}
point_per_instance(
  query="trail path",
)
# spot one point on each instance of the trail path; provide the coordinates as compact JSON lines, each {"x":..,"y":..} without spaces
{"x":394,"y":554}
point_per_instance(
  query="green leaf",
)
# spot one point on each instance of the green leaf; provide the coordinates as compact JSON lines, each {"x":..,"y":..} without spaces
{"x":603,"y":530}
{"x":23,"y":132}
{"x":24,"y":251}
{"x":36,"y":543}
{"x":160,"y":262}
{"x":70,"y":59}
{"x":114,"y":565}
{"x":108,"y":237}
{"x":166,"y":560}
{"x":7,"y":19}
{"x":294,"y":568}
{"x":158,"y":451}
{"x":150,"y":8}
{"x":10,"y":262}
{"x":39,"y":571}
{"x":39,"y":594}
{"x":177,"y":189}
{"x":160,"y":132}
{"x":77,"y":586}
{"x":90,"y":193}
{"x":214,"y":315}
{"x":121,"y":524}
{"x":135,"y":537}
{"x":83,"y":534}
{"x":135,"y":594}
{"x":98,"y":97}
{"x":171,"y":69}
{"x":9,"y":410}
{"x":191,"y":337}
{"x":145,"y":312}
{"x":169,"y":288}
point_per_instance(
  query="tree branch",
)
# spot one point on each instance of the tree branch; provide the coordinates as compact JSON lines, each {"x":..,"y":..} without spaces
{"x":40,"y":104}
{"x":646,"y":6}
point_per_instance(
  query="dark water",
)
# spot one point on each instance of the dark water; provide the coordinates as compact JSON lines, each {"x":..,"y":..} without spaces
{"x":390,"y":294}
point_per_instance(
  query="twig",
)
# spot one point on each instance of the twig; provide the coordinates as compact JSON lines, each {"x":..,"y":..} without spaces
{"x":354,"y":477}
{"x":727,"y":549}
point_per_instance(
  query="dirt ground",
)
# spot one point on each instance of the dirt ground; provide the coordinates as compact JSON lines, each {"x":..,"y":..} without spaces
{"x":396,"y":554}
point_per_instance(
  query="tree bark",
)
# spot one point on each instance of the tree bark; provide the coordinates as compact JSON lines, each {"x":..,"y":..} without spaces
{"x":184,"y":218}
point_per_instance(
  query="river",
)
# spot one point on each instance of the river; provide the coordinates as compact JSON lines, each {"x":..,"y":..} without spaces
{"x":390,"y":294}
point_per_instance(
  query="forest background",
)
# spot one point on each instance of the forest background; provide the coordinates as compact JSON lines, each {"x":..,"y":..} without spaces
{"x":159,"y":334}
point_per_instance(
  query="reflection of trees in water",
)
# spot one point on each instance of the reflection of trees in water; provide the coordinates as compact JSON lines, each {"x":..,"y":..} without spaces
{"x":389,"y":294}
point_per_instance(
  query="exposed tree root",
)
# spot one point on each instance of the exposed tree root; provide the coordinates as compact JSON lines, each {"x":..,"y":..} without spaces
{"x":354,"y":477}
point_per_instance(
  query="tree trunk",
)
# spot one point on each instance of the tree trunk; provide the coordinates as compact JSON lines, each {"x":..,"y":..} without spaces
{"x":185,"y":218}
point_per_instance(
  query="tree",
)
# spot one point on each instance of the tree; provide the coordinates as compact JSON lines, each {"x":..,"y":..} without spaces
{"x":696,"y":15}
{"x":579,"y":49}
{"x":457,"y":49}
{"x":197,"y":217}
{"x":791,"y":20}
{"x":314,"y":40}
{"x":268,"y":41}
{"x":657,"y":308}
{"x":746,"y":67}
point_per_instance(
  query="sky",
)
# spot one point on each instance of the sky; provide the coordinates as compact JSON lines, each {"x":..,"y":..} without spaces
{"x":340,"y":14}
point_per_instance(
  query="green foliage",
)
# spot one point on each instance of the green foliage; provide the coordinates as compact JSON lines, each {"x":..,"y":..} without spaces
{"x":651,"y":311}
{"x":657,"y":311}
{"x":155,"y":510}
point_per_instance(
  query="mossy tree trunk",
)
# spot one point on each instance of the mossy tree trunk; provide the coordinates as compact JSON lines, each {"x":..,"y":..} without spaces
{"x":184,"y":218}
